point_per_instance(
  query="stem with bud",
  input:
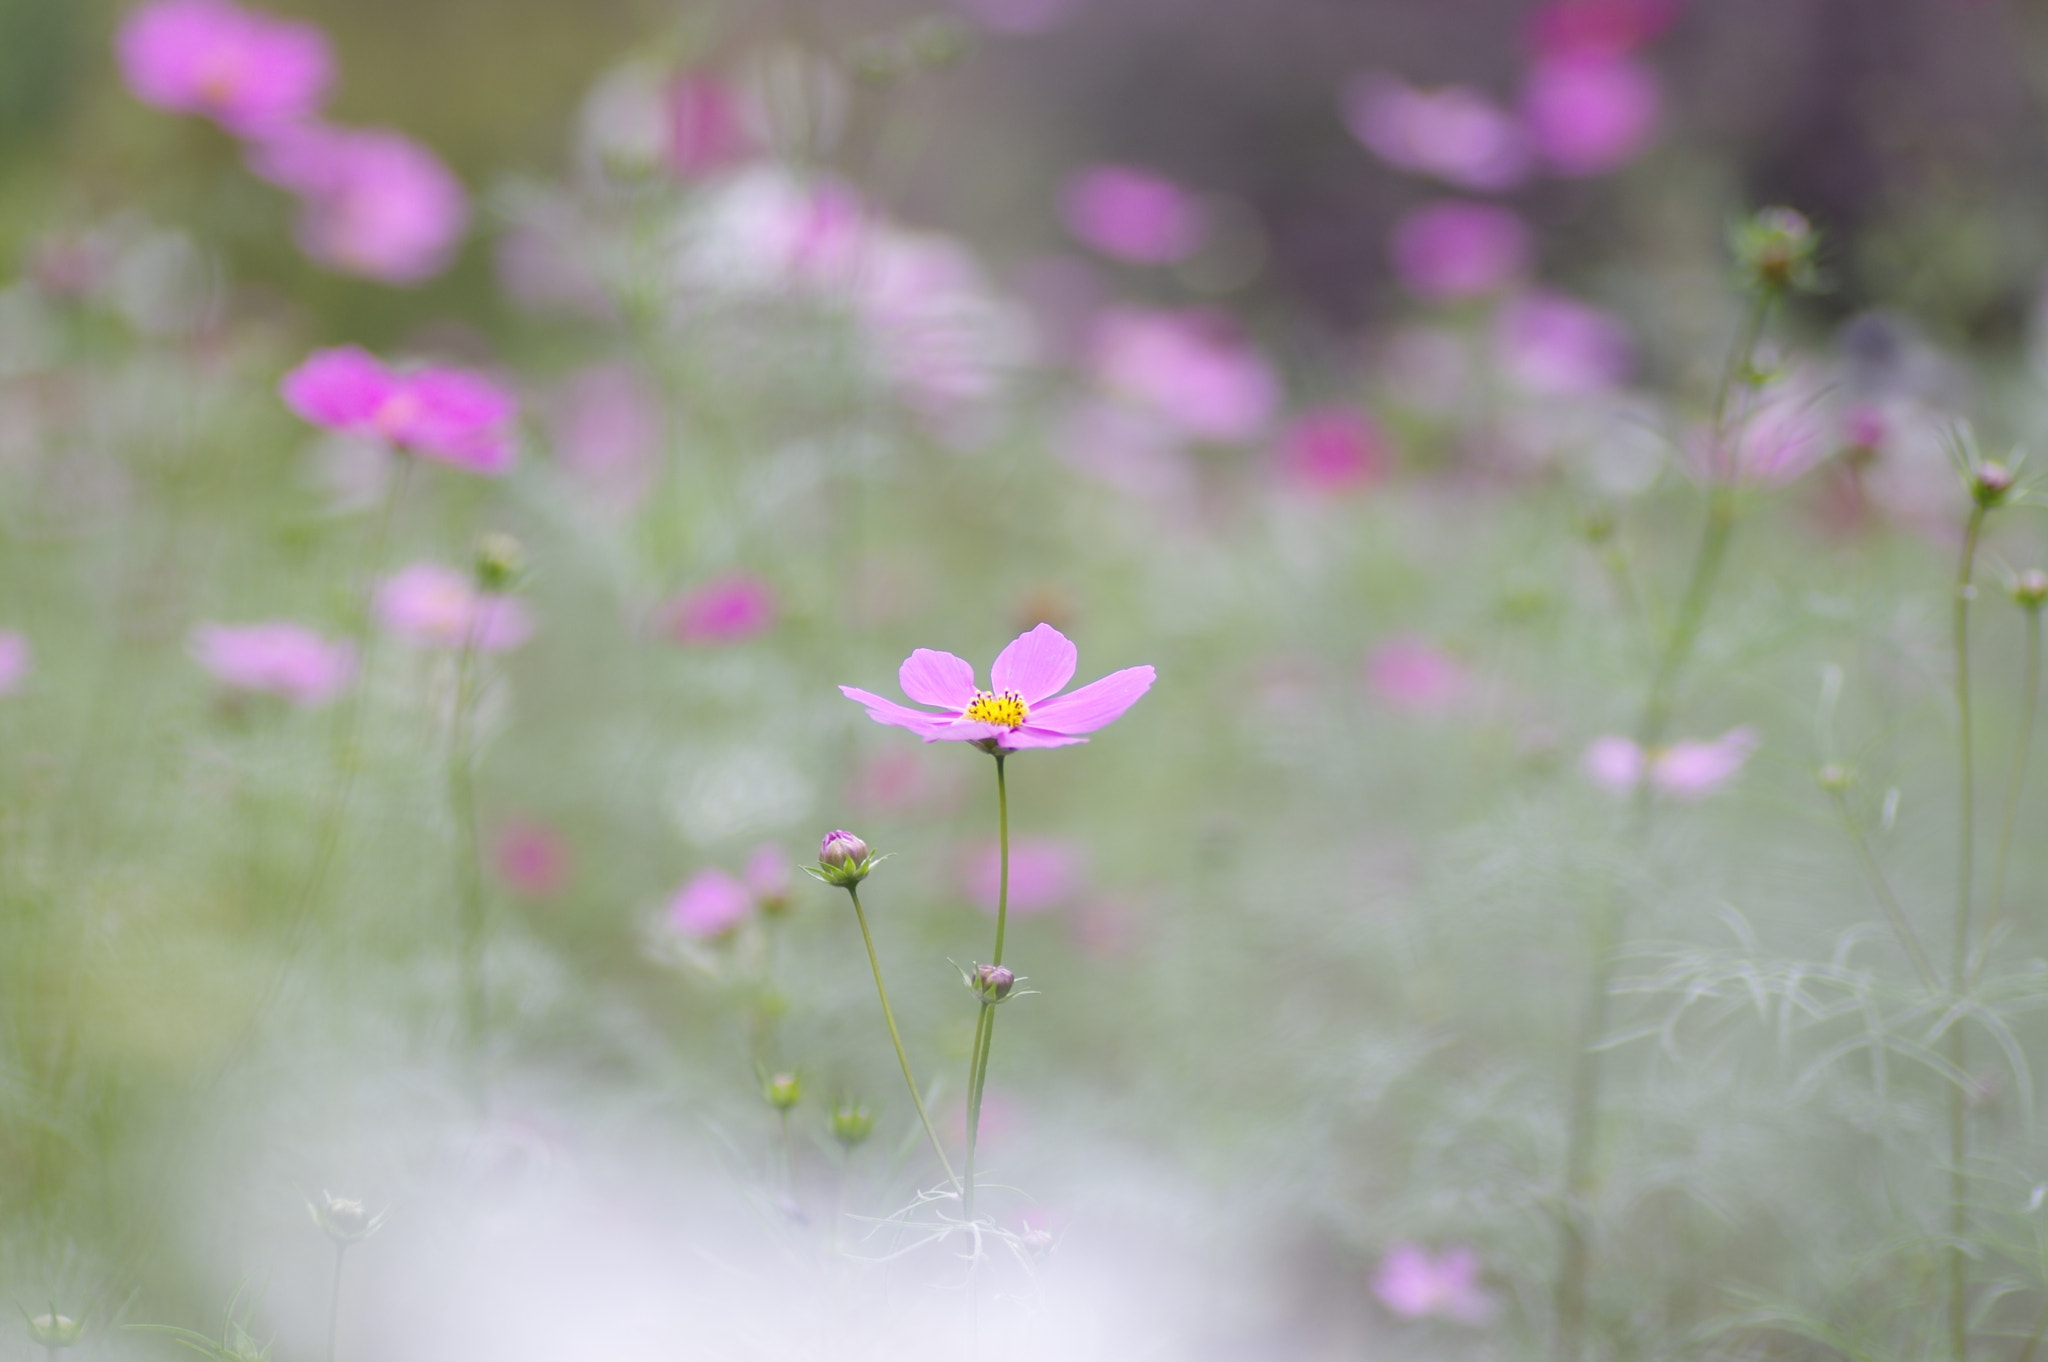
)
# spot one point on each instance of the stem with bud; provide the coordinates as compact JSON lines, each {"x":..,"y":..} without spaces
{"x":985,"y":1024}
{"x":896,"y":1038}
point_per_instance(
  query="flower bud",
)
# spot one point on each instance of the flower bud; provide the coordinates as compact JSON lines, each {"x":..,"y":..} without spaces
{"x":1990,"y":482}
{"x":54,"y":1330}
{"x":500,"y":563}
{"x":1774,"y":251}
{"x":2030,"y":588}
{"x":1834,"y":778}
{"x":783,"y":1091}
{"x":841,"y":849}
{"x":851,"y":1124}
{"x":992,"y":982}
{"x":343,"y":1219}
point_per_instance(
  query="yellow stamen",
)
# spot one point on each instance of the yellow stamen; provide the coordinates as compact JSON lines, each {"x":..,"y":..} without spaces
{"x":1007,"y":709}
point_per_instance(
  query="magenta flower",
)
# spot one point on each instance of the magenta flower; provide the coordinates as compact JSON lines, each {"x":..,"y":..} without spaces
{"x":244,"y":69}
{"x":1415,"y":1284}
{"x":705,"y":130}
{"x":375,"y":203}
{"x":432,"y":606}
{"x":1775,"y":433}
{"x":532,"y":859}
{"x":728,"y":609}
{"x":607,"y":433}
{"x":1555,"y":346}
{"x":452,"y":416}
{"x":1598,"y":27}
{"x":711,"y":904}
{"x":1044,"y":873}
{"x":1588,"y":115}
{"x":1448,"y":251}
{"x":1133,"y":215}
{"x":1024,"y":708}
{"x":1331,"y":451}
{"x":1191,"y":369}
{"x":1683,"y":770}
{"x":16,"y":660}
{"x":276,"y":658}
{"x":1412,"y":674}
{"x":1455,"y":134}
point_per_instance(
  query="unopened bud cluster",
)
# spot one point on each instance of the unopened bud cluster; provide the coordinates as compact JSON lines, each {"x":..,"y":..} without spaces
{"x":851,"y":1124}
{"x":992,"y":983}
{"x":1990,"y":483}
{"x":782,"y":1091}
{"x":1775,"y":252}
{"x":2030,"y":588}
{"x":843,"y":860}
{"x":500,"y":563}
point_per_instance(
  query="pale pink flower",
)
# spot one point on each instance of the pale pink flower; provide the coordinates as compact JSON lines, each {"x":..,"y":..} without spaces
{"x":1773,"y":434}
{"x":1555,"y":346}
{"x":607,"y":431}
{"x":276,"y":658}
{"x":938,"y":333}
{"x":1415,"y":1284}
{"x":17,"y":658}
{"x":1412,"y":674}
{"x":1044,"y":873}
{"x":710,"y":905}
{"x":728,"y":609}
{"x":452,"y":416}
{"x":1448,"y":251}
{"x":767,"y":876}
{"x":532,"y":859}
{"x":433,"y":606}
{"x":1682,"y":770}
{"x":246,"y":70}
{"x":1024,"y":709}
{"x":374,"y":202}
{"x":1588,"y":115}
{"x":892,"y":780}
{"x":705,"y":130}
{"x":1131,"y":214}
{"x":1127,"y":447}
{"x":1454,"y":134}
{"x":1193,"y":370}
{"x":1331,"y":451}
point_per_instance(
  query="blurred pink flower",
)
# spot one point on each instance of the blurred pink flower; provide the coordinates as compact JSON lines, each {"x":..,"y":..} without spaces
{"x":767,"y":875}
{"x":452,"y":416}
{"x":607,"y":431}
{"x":1775,"y":433}
{"x":1023,"y":710}
{"x":1126,"y":447}
{"x":375,"y":203}
{"x":245,"y":69}
{"x":1044,"y":873}
{"x":1454,"y":134}
{"x":1598,"y":27}
{"x":937,"y":331}
{"x":1131,"y":214}
{"x":1192,"y":369}
{"x":532,"y":859}
{"x":711,"y":904}
{"x":1331,"y":451}
{"x":275,"y":658}
{"x":17,"y":658}
{"x":728,"y":609}
{"x":1448,"y":251}
{"x":705,"y":131}
{"x":1412,"y":674}
{"x":892,"y":780}
{"x":1588,"y":115}
{"x":1555,"y":346}
{"x":433,"y":606}
{"x":1415,"y":1284}
{"x":1683,"y":770}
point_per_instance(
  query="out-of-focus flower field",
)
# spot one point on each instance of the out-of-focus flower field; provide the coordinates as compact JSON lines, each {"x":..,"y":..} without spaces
{"x":1130,"y":679}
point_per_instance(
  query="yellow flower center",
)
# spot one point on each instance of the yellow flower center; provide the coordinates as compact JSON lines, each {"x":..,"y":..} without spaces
{"x":1007,"y":709}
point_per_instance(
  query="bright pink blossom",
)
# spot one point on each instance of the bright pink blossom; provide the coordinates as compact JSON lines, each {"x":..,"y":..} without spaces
{"x":1588,"y":115}
{"x":1412,"y":674}
{"x":275,"y":658}
{"x":1598,"y":27}
{"x":375,"y":203}
{"x":1416,"y":1284}
{"x":706,"y":132}
{"x":532,"y":859}
{"x":1044,"y":873}
{"x":1683,"y":770}
{"x":1193,"y":370}
{"x":452,"y":416}
{"x":1024,"y":708}
{"x":711,"y":904}
{"x":1131,"y":214}
{"x":245,"y":69}
{"x":1455,"y":134}
{"x":1448,"y":251}
{"x":728,"y":609}
{"x":433,"y":606}
{"x":16,"y":660}
{"x":1331,"y":451}
{"x":1555,"y":346}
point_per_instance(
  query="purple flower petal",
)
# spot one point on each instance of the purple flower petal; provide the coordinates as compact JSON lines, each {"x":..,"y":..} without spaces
{"x":934,"y":678}
{"x":1094,"y":705}
{"x":1030,"y":735}
{"x":339,"y":389}
{"x":1035,"y":665}
{"x":883,"y":711}
{"x":950,"y":729}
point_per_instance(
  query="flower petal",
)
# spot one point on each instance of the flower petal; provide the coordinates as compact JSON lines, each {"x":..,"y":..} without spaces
{"x":889,"y":712}
{"x":933,"y":678}
{"x":950,"y":729}
{"x":1030,"y":735}
{"x":1094,"y":705}
{"x":340,"y":389}
{"x":1035,"y":665}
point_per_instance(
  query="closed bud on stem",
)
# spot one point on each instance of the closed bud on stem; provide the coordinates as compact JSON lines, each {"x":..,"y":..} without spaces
{"x":500,"y":563}
{"x":783,"y":1091}
{"x":1834,"y":778}
{"x":851,"y":1124}
{"x":2030,"y":588}
{"x":992,"y":982}
{"x":1990,"y":483}
{"x":343,"y":1219}
{"x":843,"y":860}
{"x":1775,"y":252}
{"x":54,"y":1330}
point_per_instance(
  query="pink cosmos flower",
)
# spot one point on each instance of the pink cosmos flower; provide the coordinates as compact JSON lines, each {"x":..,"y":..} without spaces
{"x":767,"y":876}
{"x":276,"y":658}
{"x":1448,"y":251}
{"x":607,"y":433}
{"x":1191,"y":369}
{"x":1024,"y":708}
{"x":1455,"y":134}
{"x":1415,"y":1284}
{"x":532,"y":859}
{"x":432,"y":606}
{"x":705,"y":130}
{"x":1775,"y":433}
{"x":1044,"y":873}
{"x":1412,"y":674}
{"x":711,"y":904}
{"x":452,"y":416}
{"x":1331,"y":451}
{"x":728,"y":609}
{"x":244,"y":69}
{"x":1131,"y":214}
{"x":1588,"y":115}
{"x":1683,"y":770}
{"x":1598,"y":27}
{"x":376,"y":203}
{"x":1555,"y":346}
{"x":16,"y":659}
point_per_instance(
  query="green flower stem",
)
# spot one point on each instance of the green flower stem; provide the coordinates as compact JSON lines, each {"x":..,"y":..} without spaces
{"x":896,"y":1038}
{"x":469,"y":881}
{"x":2030,"y":689}
{"x":985,"y":1027}
{"x":1958,"y":1051}
{"x":334,"y":1297}
{"x":1909,"y":940}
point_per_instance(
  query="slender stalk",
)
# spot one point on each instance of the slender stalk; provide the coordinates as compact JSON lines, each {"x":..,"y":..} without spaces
{"x":469,"y":883}
{"x":896,"y":1038}
{"x":2030,"y":689}
{"x":985,"y":1027}
{"x":1958,"y":1050}
{"x":1909,"y":941}
{"x":334,"y":1297}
